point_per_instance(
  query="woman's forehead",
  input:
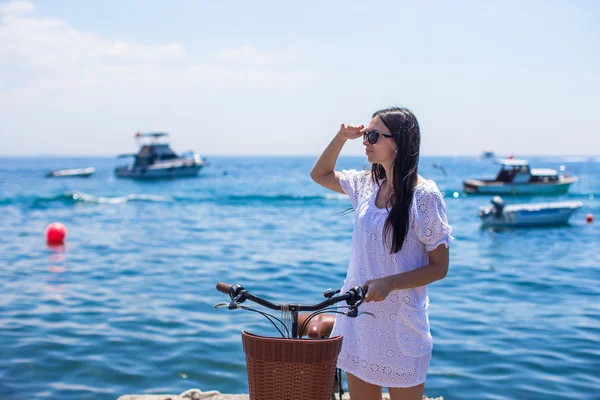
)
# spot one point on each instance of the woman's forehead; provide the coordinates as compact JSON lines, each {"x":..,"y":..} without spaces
{"x":378,"y":125}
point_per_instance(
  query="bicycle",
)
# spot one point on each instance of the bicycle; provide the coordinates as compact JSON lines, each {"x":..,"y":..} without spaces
{"x":291,"y":367}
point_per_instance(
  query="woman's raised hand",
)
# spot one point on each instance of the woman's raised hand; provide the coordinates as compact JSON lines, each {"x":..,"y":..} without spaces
{"x":350,"y":131}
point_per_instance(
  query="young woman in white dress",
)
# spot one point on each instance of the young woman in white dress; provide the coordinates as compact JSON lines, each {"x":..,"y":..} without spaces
{"x":400,"y":244}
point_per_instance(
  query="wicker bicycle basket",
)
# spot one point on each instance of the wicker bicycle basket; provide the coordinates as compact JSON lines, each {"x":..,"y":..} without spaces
{"x":290,"y":369}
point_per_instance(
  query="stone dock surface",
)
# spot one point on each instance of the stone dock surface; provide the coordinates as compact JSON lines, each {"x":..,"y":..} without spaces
{"x":195,"y":394}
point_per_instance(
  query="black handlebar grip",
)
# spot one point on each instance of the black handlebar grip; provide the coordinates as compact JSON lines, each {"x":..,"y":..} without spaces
{"x":223,"y":287}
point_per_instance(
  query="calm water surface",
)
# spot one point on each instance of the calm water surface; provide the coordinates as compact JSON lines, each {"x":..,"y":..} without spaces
{"x":127,"y":305}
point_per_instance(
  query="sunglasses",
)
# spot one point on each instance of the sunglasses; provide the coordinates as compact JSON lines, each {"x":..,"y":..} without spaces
{"x":372,"y":136}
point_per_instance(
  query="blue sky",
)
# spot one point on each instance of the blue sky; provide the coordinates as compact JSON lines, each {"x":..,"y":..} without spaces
{"x":278,"y":78}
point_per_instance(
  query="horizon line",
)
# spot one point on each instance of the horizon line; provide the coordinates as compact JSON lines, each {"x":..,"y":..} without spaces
{"x":304,"y":155}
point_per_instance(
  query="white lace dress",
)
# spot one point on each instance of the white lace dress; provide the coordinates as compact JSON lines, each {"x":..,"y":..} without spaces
{"x":394,"y":348}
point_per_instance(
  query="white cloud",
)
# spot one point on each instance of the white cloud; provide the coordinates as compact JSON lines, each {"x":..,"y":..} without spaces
{"x":46,"y":53}
{"x":87,"y":90}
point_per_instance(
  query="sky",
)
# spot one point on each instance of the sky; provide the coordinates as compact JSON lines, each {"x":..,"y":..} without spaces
{"x":278,"y":78}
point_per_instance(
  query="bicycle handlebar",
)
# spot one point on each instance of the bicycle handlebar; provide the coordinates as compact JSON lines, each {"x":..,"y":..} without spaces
{"x":353,"y":297}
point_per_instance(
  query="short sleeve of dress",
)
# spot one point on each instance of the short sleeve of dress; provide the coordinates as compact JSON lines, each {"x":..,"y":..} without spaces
{"x":352,"y":182}
{"x":431,"y":223}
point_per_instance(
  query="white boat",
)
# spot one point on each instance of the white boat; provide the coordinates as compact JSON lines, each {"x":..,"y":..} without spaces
{"x":516,"y":178}
{"x":534,"y":214}
{"x":156,"y":160}
{"x":71,"y":173}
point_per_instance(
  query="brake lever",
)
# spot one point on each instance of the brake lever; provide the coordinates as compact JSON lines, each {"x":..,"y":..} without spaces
{"x":233,"y":305}
{"x":367,"y":313}
{"x":353,"y":313}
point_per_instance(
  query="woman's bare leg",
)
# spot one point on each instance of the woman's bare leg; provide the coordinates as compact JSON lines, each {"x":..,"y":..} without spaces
{"x":361,"y":390}
{"x":409,"y":393}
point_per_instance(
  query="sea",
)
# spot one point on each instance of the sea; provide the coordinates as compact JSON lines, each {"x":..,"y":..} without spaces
{"x":126,"y":305}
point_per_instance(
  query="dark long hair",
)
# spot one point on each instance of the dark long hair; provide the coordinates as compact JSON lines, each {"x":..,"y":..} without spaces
{"x":404,"y":126}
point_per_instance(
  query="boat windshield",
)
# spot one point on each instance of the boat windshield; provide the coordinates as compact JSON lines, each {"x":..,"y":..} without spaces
{"x":510,"y":173}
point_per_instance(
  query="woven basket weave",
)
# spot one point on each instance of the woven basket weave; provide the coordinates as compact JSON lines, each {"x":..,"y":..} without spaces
{"x":290,"y":369}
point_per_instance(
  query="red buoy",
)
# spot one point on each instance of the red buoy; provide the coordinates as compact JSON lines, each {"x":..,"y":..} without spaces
{"x":511,"y":156}
{"x":56,"y":233}
{"x":589,"y":218}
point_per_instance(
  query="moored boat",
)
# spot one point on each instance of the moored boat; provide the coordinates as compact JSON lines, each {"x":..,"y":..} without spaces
{"x":156,"y":160}
{"x":534,"y":214}
{"x":516,"y":178}
{"x":71,"y":173}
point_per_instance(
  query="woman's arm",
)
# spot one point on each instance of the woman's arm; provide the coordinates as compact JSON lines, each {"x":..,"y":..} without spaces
{"x":379,"y":289}
{"x":323,"y":171}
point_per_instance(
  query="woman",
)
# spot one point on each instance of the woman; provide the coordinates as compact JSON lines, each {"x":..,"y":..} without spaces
{"x":399,"y":245}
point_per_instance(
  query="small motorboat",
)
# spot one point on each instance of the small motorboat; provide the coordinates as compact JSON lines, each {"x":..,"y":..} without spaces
{"x":486,"y":155}
{"x":534,"y":214}
{"x":516,"y":178}
{"x":71,"y":173}
{"x":156,"y":160}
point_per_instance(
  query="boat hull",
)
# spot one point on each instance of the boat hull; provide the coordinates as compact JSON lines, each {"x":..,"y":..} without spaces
{"x":159,"y":172}
{"x":531,"y":215}
{"x":519,"y":189}
{"x":72,"y":173}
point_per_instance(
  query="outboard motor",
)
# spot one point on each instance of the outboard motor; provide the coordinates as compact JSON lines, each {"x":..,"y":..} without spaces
{"x":497,"y":206}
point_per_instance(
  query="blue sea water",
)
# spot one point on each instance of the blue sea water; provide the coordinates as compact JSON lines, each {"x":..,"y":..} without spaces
{"x":126,"y":306}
